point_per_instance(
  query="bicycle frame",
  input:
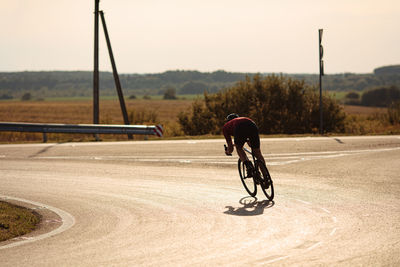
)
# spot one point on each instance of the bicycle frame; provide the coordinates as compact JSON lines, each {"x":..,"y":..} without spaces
{"x":251,"y":153}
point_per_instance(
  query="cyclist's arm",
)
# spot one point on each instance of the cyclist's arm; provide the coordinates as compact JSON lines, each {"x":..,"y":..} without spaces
{"x":228,"y":139}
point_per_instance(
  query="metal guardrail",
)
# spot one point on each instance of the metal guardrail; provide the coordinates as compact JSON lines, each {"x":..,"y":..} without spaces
{"x":80,"y":128}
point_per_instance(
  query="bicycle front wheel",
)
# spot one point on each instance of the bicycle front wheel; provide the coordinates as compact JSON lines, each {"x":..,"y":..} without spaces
{"x":248,"y":182}
{"x":266,"y":183}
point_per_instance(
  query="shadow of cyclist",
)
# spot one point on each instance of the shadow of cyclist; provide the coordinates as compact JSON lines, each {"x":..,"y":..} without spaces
{"x":251,"y":208}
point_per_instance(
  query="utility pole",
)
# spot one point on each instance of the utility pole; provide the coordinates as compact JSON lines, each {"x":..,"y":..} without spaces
{"x":96,"y":69}
{"x":115,"y":73}
{"x":96,"y":64}
{"x":321,"y":73}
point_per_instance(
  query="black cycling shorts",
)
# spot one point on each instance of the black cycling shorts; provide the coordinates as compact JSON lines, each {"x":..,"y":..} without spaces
{"x":247,"y":130}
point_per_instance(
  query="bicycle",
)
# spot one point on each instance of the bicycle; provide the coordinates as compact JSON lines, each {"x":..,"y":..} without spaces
{"x":259,"y":176}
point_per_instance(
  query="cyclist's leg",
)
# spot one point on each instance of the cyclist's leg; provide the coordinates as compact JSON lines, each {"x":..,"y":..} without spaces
{"x":241,"y":153}
{"x":258,"y":154}
{"x":254,"y":138}
{"x":240,"y":138}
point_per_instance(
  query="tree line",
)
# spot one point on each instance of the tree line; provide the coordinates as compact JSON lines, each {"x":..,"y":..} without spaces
{"x":79,"y":83}
{"x":377,"y":97}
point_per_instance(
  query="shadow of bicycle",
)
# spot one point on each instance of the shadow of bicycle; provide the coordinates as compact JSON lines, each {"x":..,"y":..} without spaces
{"x":250,"y":207}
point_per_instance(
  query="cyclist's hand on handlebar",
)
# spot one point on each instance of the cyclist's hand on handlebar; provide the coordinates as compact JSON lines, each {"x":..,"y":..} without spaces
{"x":228,"y":151}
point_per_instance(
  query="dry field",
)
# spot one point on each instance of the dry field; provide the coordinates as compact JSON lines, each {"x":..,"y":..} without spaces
{"x":360,"y":110}
{"x":81,"y":112}
{"x":368,"y":120}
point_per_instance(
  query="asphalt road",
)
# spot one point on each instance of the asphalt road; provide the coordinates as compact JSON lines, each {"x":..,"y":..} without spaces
{"x":180,"y":203}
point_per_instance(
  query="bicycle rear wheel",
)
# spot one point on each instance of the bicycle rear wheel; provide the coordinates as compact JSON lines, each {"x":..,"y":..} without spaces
{"x":266,"y":183}
{"x":248,"y":182}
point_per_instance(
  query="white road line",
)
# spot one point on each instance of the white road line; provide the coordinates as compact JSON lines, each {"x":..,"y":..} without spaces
{"x":333,"y":232}
{"x":302,"y":201}
{"x":67,"y":222}
{"x":272,"y":159}
{"x":156,"y":142}
{"x":315,"y":245}
{"x":277,"y":259}
{"x":327,"y":211}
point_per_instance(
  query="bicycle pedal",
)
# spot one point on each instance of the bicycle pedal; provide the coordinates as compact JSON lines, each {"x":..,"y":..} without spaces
{"x":267,"y":184}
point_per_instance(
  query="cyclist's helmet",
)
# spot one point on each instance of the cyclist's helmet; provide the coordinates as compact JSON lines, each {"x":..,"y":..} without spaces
{"x":231,"y":116}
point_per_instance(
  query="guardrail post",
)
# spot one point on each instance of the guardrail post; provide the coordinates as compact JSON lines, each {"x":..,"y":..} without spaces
{"x":44,"y":137}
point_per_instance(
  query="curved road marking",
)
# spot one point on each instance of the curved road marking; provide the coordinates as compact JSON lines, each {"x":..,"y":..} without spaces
{"x":67,"y":222}
{"x":200,"y":141}
{"x":273,"y":159}
{"x":277,"y":259}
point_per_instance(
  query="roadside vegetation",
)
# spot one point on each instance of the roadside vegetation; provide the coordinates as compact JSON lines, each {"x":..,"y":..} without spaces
{"x":279,"y":104}
{"x":16,"y":221}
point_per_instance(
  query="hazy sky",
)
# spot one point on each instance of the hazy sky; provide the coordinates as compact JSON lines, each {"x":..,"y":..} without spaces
{"x":150,"y":36}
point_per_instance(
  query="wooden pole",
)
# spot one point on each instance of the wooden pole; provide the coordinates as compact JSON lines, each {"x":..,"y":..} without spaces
{"x":115,"y":73}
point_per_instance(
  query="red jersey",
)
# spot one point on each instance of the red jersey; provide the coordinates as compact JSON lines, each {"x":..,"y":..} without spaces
{"x":229,"y":128}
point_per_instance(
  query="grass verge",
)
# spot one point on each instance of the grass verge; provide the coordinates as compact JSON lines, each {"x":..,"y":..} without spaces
{"x":16,"y":221}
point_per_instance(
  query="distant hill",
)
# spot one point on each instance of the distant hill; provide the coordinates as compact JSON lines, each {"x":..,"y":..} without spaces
{"x":79,"y":83}
{"x":388,"y":70}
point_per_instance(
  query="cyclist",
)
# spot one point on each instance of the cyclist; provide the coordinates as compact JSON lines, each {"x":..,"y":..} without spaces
{"x":243,"y":130}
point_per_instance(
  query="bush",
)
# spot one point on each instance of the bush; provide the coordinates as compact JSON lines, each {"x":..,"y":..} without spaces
{"x":6,"y":97}
{"x":276,"y":103}
{"x":381,"y":97}
{"x":193,"y":88}
{"x":200,"y":122}
{"x":170,"y":93}
{"x":394,"y":113}
{"x":26,"y":97}
{"x":353,"y":95}
{"x":352,"y":98}
{"x":143,"y":116}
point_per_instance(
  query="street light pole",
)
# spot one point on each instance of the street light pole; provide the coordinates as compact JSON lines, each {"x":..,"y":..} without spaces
{"x":96,"y":64}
